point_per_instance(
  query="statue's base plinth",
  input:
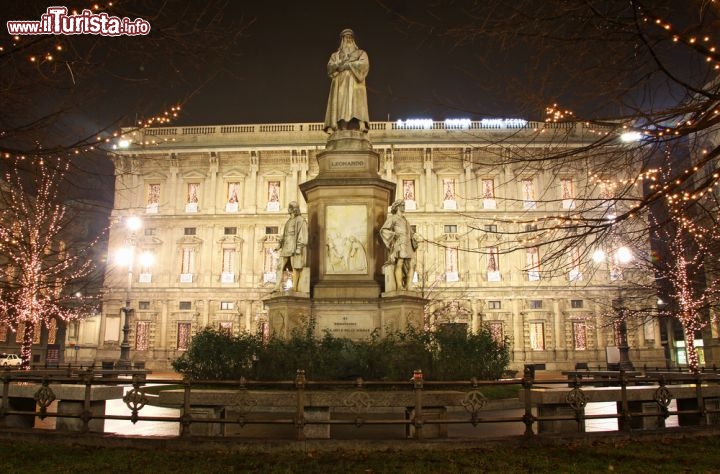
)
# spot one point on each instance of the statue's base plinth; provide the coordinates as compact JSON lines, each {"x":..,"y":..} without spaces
{"x":343,"y":317}
{"x":348,"y":140}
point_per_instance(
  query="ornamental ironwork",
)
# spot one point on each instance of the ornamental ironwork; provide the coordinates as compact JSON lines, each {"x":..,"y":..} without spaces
{"x":358,"y":402}
{"x":44,"y":397}
{"x":135,"y":400}
{"x":663,"y":397}
{"x":577,"y":399}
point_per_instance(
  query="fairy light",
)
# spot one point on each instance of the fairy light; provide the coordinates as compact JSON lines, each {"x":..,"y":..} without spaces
{"x":554,"y":114}
{"x":38,"y":225}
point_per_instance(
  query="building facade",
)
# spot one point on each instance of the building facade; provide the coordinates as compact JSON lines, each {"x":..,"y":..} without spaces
{"x":213,"y":199}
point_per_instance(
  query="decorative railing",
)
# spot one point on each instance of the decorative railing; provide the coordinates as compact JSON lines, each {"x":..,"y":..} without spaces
{"x":310,"y":409}
{"x":410,"y":126}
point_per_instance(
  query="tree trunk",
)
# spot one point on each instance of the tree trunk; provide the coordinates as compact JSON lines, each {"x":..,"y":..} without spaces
{"x":26,"y":346}
{"x":691,"y":351}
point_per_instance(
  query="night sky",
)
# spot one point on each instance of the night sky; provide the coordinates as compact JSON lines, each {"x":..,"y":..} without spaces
{"x":280,"y":74}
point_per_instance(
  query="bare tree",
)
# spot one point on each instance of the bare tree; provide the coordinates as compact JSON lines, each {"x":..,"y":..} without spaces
{"x":621,"y":66}
{"x":67,"y":95}
{"x":47,"y":260}
{"x":641,"y":77}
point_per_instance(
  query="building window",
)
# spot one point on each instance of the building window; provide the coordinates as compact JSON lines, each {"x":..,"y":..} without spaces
{"x":494,"y":304}
{"x":153,"y":198}
{"x":579,"y":335}
{"x":144,"y":305}
{"x":488,"y":189}
{"x":185,"y":305}
{"x":488,"y":194}
{"x":451,"y":229}
{"x":230,"y":230}
{"x":73,"y":330}
{"x":150,"y":231}
{"x":233,"y":197}
{"x":52,"y":331}
{"x":3,"y":332}
{"x":491,"y":228}
{"x":532,"y":260}
{"x":183,"y":336}
{"x":191,"y":204}
{"x":271,"y":230}
{"x":142,"y":335}
{"x":270,"y":262}
{"x":147,"y":258}
{"x":409,"y":194}
{"x":530,"y":227}
{"x":273,"y":200}
{"x":496,"y":331}
{"x":227,"y":305}
{"x":535,"y":304}
{"x":576,"y":304}
{"x":567,"y":193}
{"x":226,"y":327}
{"x":493,"y":264}
{"x":528,"y":193}
{"x":21,"y":333}
{"x":449,"y":193}
{"x":190,"y":231}
{"x":537,"y":336}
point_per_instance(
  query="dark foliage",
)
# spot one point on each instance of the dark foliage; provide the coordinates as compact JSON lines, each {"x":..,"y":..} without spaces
{"x":442,"y":355}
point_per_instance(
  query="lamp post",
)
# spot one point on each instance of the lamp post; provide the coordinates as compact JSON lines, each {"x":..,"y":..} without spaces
{"x":127,"y":255}
{"x":622,"y":337}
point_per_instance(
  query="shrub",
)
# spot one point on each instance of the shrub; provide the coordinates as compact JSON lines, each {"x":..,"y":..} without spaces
{"x":448,"y":354}
{"x":216,"y":355}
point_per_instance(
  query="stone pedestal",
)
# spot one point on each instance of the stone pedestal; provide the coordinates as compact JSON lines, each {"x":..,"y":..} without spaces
{"x":347,"y":205}
{"x":288,"y":311}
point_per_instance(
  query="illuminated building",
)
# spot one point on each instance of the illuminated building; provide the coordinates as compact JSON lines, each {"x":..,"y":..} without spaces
{"x":213,"y":199}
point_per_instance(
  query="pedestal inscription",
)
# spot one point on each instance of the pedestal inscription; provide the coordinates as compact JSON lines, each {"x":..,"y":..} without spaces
{"x":356,"y":326}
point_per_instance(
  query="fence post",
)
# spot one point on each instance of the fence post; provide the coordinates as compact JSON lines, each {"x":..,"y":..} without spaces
{"x":700,"y":400}
{"x":5,"y":394}
{"x":527,"y":383}
{"x":417,"y":381}
{"x":625,"y":417}
{"x":187,"y":416}
{"x":300,"y":382}
{"x":87,"y":408}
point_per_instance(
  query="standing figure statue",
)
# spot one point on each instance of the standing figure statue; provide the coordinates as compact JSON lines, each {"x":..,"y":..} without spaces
{"x":347,"y":103}
{"x":292,"y":246}
{"x":399,"y":238}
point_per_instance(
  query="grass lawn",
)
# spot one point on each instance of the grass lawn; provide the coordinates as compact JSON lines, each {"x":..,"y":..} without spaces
{"x":699,"y":454}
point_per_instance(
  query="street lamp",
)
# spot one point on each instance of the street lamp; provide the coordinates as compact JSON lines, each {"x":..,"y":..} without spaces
{"x":622,"y":337}
{"x":126,"y":256}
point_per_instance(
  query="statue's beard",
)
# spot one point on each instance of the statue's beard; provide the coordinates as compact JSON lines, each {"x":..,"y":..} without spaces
{"x":347,"y":48}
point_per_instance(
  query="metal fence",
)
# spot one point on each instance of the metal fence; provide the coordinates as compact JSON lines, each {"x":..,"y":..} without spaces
{"x":416,"y":408}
